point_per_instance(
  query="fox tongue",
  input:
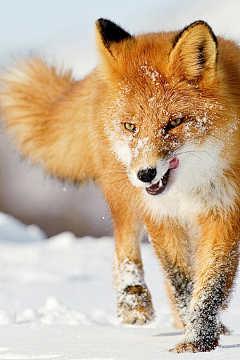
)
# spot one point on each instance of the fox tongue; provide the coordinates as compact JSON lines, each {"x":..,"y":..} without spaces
{"x":173,"y":163}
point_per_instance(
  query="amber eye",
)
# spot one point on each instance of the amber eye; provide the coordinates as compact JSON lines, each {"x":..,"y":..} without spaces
{"x":129,"y":127}
{"x":174,"y":123}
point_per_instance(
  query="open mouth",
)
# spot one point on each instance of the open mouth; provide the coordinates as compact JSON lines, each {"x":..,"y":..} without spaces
{"x":161,"y":185}
{"x":157,"y":188}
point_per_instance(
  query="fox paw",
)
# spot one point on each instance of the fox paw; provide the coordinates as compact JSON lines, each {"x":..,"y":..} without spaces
{"x":137,"y":317}
{"x":193,"y":347}
{"x":135,"y":305}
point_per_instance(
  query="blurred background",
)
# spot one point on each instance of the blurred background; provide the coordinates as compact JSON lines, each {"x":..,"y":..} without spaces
{"x":62,"y":31}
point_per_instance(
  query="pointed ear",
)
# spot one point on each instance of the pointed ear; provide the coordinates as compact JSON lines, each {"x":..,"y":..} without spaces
{"x":194,"y":54}
{"x":109,"y":35}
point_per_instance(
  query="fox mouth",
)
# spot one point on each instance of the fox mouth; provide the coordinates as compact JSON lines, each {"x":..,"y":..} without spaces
{"x":160,"y":186}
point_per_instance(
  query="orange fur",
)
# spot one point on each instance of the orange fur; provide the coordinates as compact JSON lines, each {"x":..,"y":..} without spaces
{"x":156,"y":125}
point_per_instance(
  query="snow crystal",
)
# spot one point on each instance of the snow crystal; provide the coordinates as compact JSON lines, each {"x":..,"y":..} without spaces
{"x":150,"y":72}
{"x":127,"y":273}
{"x":143,"y":144}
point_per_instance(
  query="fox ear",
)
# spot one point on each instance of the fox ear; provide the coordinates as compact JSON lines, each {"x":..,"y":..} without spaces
{"x":194,"y":54}
{"x":109,"y":35}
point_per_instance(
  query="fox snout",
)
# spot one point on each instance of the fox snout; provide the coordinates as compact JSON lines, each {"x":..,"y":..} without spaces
{"x":155,"y":179}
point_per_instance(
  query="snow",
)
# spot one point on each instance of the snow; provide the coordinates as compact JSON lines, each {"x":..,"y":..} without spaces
{"x":57,"y":302}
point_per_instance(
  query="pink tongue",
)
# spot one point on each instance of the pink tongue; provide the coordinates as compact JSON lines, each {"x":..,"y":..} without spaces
{"x":173,"y":163}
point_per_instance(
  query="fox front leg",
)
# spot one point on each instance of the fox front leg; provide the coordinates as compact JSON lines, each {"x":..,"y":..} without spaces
{"x":216,"y":269}
{"x":203,"y":327}
{"x":134,"y":303}
{"x":170,"y":243}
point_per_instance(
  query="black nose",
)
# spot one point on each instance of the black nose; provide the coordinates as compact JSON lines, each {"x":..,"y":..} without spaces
{"x":147,"y":174}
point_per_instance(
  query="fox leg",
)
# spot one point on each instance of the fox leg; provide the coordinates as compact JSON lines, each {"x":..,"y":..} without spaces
{"x":170,"y":244}
{"x":217,"y":261}
{"x":179,"y":288}
{"x":134,"y":303}
{"x":178,"y":321}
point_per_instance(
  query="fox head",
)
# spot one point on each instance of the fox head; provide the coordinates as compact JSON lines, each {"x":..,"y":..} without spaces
{"x":164,"y":102}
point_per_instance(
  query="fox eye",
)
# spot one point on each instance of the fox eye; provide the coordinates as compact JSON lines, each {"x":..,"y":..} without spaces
{"x":174,"y":123}
{"x":129,"y":127}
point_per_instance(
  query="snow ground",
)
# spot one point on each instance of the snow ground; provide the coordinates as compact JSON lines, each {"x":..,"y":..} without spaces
{"x":57,"y":302}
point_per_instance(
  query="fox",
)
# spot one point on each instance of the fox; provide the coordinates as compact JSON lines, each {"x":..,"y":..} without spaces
{"x":156,"y":126}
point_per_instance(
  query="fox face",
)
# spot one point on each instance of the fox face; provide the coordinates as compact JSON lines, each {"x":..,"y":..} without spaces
{"x":165,"y":108}
{"x":165,"y":135}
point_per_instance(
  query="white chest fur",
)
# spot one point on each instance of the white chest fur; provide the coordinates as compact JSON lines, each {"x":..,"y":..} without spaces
{"x":196,"y":186}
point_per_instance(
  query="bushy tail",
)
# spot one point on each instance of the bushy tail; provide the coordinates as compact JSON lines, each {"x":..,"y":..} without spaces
{"x":31,"y":88}
{"x":37,"y":108}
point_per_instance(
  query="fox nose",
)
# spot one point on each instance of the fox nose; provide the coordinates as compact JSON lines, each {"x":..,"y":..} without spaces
{"x":147,"y":174}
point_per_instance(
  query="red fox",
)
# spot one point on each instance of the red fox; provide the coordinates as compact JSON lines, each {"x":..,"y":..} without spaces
{"x":156,"y":125}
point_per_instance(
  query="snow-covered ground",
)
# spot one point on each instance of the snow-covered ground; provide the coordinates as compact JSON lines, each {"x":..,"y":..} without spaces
{"x":57,"y":302}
